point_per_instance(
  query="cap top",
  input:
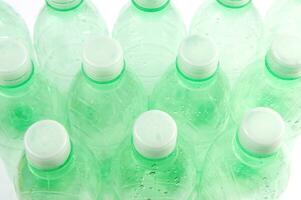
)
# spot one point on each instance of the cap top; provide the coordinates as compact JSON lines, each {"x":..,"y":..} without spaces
{"x":261,"y":131}
{"x":63,"y":4}
{"x":15,"y":62}
{"x":102,"y":59}
{"x":234,"y":3}
{"x":284,"y":57}
{"x":155,"y":134}
{"x":151,"y":4}
{"x":47,"y":145}
{"x":198,"y":57}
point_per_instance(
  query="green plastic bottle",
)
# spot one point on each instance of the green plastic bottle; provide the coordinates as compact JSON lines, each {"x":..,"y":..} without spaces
{"x":24,"y":99}
{"x":150,"y":32}
{"x":249,"y":162}
{"x":154,"y":164}
{"x":236,"y":27}
{"x":284,"y":18}
{"x":277,"y":79}
{"x":195,"y":89}
{"x":105,"y":100}
{"x":55,"y":168}
{"x":13,"y":26}
{"x":59,"y":34}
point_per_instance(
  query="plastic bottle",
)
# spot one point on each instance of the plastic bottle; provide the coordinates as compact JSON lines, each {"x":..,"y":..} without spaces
{"x":236,"y":27}
{"x":150,"y":33}
{"x":13,"y":26}
{"x":55,"y":168}
{"x":59,"y":34}
{"x":284,"y":18}
{"x":154,"y":165}
{"x":278,"y":80}
{"x":24,"y":99}
{"x":249,"y":162}
{"x":195,"y":89}
{"x":105,"y":100}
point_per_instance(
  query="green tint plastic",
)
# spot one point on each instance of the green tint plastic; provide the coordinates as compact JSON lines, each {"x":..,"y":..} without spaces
{"x":54,"y":168}
{"x":150,"y":40}
{"x":248,"y":162}
{"x":24,"y":99}
{"x":105,"y":100}
{"x":272,"y":82}
{"x":195,"y":91}
{"x":59,"y":36}
{"x":154,"y":165}
{"x":284,"y":18}
{"x":237,"y":32}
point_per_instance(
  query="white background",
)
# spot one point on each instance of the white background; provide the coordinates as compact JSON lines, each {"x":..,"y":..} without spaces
{"x":29,"y":9}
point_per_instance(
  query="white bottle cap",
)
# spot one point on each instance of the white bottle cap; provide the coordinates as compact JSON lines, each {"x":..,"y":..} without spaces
{"x":47,"y":145}
{"x":284,"y":57}
{"x":151,"y":4}
{"x":234,"y":3}
{"x":15,"y":62}
{"x":155,"y":134}
{"x":102,"y":59}
{"x":198,"y":57}
{"x":261,"y":131}
{"x":63,"y":4}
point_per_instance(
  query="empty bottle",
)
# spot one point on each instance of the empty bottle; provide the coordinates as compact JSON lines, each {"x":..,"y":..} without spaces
{"x":273,"y":81}
{"x":60,"y":31}
{"x":236,"y":27}
{"x":195,"y":89}
{"x":24,"y":99}
{"x":105,"y":100}
{"x":55,"y":168}
{"x":284,"y":18}
{"x":248,"y":162}
{"x":13,"y":26}
{"x":154,"y":165}
{"x":150,"y":33}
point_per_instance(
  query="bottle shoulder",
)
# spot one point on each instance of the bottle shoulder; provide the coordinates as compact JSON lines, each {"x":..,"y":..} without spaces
{"x":231,"y":175}
{"x":83,"y":18}
{"x":173,"y":177}
{"x":80,"y":171}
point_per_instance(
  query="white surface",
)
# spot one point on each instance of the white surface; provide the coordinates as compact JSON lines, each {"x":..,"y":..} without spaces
{"x":284,"y":57}
{"x":47,"y":144}
{"x":15,"y":63}
{"x":198,"y":57}
{"x":29,"y":9}
{"x":155,"y":134}
{"x":262,"y":131}
{"x":103,"y":59}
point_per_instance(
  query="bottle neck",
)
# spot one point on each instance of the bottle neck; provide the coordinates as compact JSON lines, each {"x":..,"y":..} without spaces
{"x":22,"y":80}
{"x":151,"y":5}
{"x":234,"y":3}
{"x":248,"y":158}
{"x":57,"y":173}
{"x":64,"y":5}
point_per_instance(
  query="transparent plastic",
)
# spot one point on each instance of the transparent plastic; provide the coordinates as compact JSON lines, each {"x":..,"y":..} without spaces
{"x":136,"y":177}
{"x":201,"y":103}
{"x":284,"y":18}
{"x":77,"y":179}
{"x":270,"y":91}
{"x":100,"y":112}
{"x":231,"y":172}
{"x":150,"y":39}
{"x":237,"y":32}
{"x":12,"y":25}
{"x":59,"y":36}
